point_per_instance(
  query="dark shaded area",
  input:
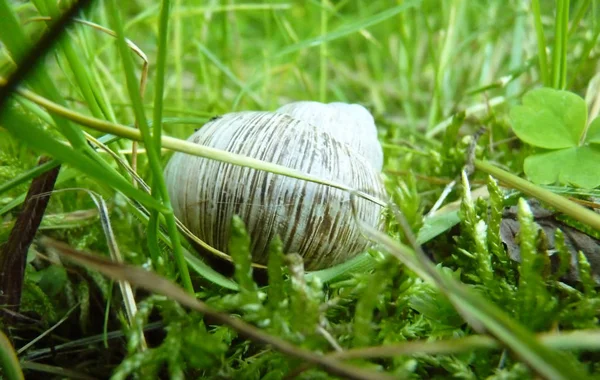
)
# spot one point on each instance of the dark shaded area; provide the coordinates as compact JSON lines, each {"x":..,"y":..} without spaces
{"x":13,"y":255}
{"x":549,"y":221}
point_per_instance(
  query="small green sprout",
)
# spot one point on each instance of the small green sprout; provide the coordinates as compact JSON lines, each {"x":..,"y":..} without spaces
{"x":556,"y":121}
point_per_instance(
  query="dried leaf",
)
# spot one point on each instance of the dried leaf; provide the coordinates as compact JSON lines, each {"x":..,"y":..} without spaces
{"x":575,"y":240}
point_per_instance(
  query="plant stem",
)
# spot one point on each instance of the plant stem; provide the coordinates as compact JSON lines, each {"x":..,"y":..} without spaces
{"x":161,"y":59}
{"x":559,"y":54}
{"x":541,"y":42}
{"x":579,"y":13}
{"x":561,"y":203}
{"x":153,"y":153}
{"x":189,"y":148}
{"x":564,"y":40}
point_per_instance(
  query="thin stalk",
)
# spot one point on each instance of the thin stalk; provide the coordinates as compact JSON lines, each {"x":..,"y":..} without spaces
{"x":447,"y":50}
{"x":161,"y":59}
{"x":28,"y":175}
{"x":17,"y":44}
{"x":178,"y":52}
{"x":541,"y":42}
{"x":152,"y":152}
{"x":561,"y":203}
{"x":564,"y":40}
{"x":557,"y":52}
{"x":187,"y":147}
{"x":589,"y":47}
{"x":566,"y":340}
{"x":579,"y":13}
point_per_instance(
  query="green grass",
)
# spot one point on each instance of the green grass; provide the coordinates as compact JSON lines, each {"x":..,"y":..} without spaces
{"x":433,"y":73}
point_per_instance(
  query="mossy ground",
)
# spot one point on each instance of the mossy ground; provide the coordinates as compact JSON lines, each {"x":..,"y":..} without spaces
{"x":418,"y":66}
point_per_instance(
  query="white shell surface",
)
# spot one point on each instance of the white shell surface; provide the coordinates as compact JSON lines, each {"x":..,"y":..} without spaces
{"x":352,"y":124}
{"x":312,"y":220}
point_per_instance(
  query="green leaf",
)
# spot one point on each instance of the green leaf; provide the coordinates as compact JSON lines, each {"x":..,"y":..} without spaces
{"x":550,"y":119}
{"x":359,"y":264}
{"x":436,"y":225}
{"x":53,"y":280}
{"x":575,"y":166}
{"x":593,"y":134}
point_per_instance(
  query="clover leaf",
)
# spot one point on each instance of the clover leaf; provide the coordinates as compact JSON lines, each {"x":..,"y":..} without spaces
{"x":556,"y":121}
{"x":593,"y":134}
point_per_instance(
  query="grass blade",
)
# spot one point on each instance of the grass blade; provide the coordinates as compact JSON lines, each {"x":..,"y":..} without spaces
{"x":479,"y":311}
{"x":559,"y":53}
{"x":28,"y":176}
{"x":541,"y":42}
{"x":349,"y":28}
{"x":153,"y":151}
{"x":8,"y":359}
{"x":163,"y":31}
{"x":561,"y":203}
{"x":190,"y":148}
{"x":17,"y":42}
{"x":40,"y":140}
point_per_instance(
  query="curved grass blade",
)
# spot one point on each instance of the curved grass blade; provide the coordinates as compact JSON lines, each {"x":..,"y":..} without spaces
{"x":479,"y":312}
{"x":195,"y":263}
{"x":190,"y":148}
{"x":349,"y":28}
{"x":37,"y":138}
{"x":153,"y":151}
{"x":8,"y":358}
{"x":362,"y":263}
{"x":562,"y":204}
{"x":16,"y":42}
{"x":28,"y":176}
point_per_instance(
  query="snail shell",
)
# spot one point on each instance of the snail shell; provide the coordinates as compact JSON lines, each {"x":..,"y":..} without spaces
{"x":313,"y":220}
{"x":348,"y":123}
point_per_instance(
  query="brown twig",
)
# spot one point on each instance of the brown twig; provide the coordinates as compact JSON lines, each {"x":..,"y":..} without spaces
{"x":13,"y":256}
{"x":160,"y":285}
{"x":566,"y":340}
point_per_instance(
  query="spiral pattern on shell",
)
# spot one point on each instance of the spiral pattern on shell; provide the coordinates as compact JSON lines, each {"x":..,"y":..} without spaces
{"x":313,"y":220}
